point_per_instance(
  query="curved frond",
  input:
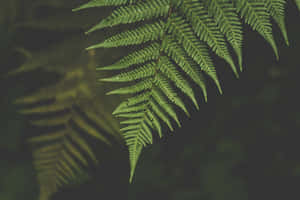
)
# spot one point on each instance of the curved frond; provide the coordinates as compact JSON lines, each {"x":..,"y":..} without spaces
{"x":276,"y":9}
{"x":68,"y":113}
{"x":257,"y":16}
{"x":173,"y":39}
{"x":228,"y":21}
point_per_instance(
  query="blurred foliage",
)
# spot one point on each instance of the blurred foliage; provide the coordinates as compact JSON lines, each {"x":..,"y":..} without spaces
{"x":66,"y":111}
{"x":59,"y":93}
{"x":242,"y":145}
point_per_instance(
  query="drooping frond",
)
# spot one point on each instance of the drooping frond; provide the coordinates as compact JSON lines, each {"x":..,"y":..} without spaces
{"x":276,"y":9}
{"x":255,"y":13}
{"x":205,"y":28}
{"x":68,"y":113}
{"x":62,"y":153}
{"x":228,"y":22}
{"x":173,"y":39}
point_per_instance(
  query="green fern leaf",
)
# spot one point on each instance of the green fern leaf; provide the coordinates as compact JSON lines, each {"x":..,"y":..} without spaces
{"x":257,"y":16}
{"x":228,"y":22}
{"x":276,"y":10}
{"x":206,"y":29}
{"x":58,"y":161}
{"x":173,"y":39}
{"x":62,"y":152}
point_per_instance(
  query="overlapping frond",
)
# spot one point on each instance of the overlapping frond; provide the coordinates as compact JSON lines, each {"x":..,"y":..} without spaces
{"x":68,"y":113}
{"x":228,"y":22}
{"x":276,"y":10}
{"x":173,"y":39}
{"x":61,"y":154}
{"x":255,"y":13}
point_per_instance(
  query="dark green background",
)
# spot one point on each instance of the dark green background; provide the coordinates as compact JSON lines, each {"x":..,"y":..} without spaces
{"x":242,"y":145}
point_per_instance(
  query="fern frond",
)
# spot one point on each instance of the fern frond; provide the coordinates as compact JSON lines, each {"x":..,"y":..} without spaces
{"x":257,"y":16}
{"x":180,"y":57}
{"x":206,"y":29}
{"x":169,"y":69}
{"x":173,"y":39}
{"x":224,"y":13}
{"x":72,"y":113}
{"x":67,"y":161}
{"x":193,"y":47}
{"x":276,"y":10}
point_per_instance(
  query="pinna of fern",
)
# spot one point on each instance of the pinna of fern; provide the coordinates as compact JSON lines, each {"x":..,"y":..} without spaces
{"x":175,"y":36}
